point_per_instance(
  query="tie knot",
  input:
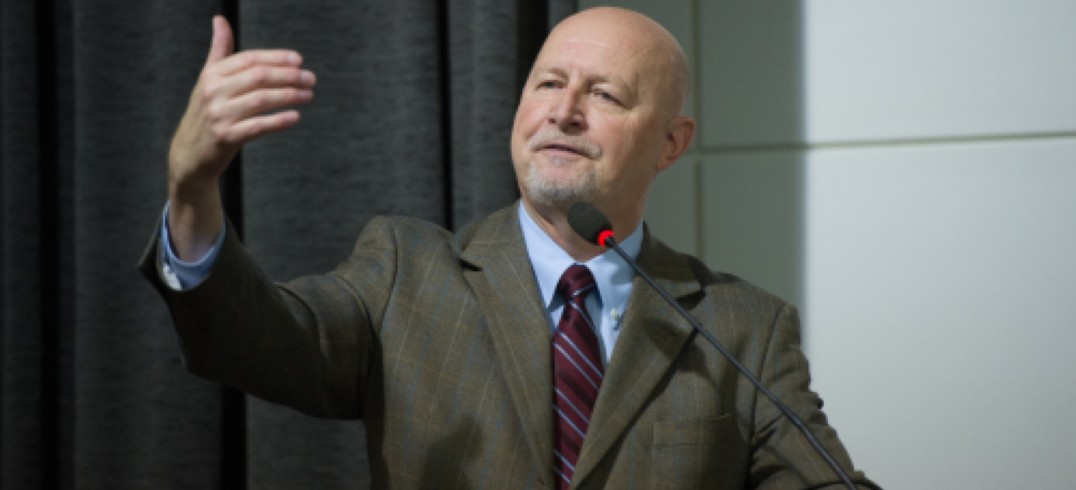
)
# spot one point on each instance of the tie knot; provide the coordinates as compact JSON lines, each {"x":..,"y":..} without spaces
{"x":575,"y":281}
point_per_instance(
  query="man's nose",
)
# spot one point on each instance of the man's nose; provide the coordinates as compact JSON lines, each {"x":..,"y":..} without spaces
{"x":567,"y":111}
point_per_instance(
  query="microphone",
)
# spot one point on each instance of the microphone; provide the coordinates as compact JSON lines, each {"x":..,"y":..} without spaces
{"x":593,"y":226}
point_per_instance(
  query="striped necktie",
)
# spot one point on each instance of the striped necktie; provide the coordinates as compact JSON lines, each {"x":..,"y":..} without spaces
{"x":577,"y":373}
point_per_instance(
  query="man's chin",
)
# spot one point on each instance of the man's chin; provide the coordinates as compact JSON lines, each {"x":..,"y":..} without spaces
{"x":557,"y":197}
{"x":558,"y":191}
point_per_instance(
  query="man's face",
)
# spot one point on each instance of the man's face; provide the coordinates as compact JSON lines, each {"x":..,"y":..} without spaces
{"x":591,"y":122}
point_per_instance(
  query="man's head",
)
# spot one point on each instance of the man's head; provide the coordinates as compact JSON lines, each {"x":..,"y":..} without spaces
{"x":599,"y":115}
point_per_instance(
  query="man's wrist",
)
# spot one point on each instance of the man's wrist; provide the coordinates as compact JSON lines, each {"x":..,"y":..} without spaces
{"x":183,"y":274}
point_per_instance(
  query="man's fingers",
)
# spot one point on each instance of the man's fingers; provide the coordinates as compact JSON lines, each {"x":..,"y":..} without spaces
{"x":239,"y":97}
{"x":261,"y":101}
{"x":257,"y":78}
{"x":222,"y":48}
{"x":222,"y":44}
{"x":236,"y":121}
{"x":250,"y":128}
{"x":256,"y":58}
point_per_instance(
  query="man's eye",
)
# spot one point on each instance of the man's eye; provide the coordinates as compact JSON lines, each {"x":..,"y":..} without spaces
{"x":548,"y":84}
{"x":606,"y":96}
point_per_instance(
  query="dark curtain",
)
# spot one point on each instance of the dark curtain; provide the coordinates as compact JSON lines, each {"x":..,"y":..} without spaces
{"x":411,"y":115}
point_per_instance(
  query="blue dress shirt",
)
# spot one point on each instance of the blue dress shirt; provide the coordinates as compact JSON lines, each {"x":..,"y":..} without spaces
{"x":612,"y":275}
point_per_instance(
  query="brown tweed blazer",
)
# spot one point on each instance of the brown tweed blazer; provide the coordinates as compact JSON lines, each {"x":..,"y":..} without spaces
{"x":438,"y":342}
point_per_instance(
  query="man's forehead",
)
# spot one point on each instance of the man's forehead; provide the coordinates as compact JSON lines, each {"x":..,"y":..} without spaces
{"x":590,"y":54}
{"x":605,"y":38}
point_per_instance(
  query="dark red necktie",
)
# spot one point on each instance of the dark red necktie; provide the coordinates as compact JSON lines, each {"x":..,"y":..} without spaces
{"x":577,"y":372}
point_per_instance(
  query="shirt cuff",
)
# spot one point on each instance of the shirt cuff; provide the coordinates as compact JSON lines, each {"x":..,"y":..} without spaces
{"x":181,"y":275}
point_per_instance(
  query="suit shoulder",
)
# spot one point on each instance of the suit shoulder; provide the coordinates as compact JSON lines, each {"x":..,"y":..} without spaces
{"x":403,"y":233}
{"x":717,"y":283}
{"x":717,"y":280}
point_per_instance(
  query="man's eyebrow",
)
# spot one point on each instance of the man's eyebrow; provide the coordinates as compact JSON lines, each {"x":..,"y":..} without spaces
{"x":591,"y":79}
{"x":551,"y":70}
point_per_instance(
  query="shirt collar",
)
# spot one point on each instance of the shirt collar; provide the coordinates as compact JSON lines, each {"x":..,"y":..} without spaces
{"x":611,"y":274}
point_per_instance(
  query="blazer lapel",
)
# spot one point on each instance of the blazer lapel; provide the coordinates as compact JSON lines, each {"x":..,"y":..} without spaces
{"x":652,"y":336}
{"x":503,"y":282}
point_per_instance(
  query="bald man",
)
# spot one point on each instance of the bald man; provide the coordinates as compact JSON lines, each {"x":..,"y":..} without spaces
{"x":444,"y":344}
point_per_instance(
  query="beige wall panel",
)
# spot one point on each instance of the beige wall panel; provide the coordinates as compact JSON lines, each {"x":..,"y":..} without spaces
{"x":752,"y":218}
{"x":750,"y":71}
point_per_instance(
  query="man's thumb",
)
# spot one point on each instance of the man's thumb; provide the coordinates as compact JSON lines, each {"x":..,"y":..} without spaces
{"x":222,"y":43}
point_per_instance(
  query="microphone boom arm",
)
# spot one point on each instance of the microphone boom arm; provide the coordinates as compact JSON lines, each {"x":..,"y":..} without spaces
{"x":610,"y":242}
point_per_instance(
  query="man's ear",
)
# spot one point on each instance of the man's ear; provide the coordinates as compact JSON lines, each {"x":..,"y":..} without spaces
{"x":677,"y":139}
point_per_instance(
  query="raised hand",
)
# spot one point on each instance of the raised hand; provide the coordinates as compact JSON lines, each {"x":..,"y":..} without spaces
{"x":238,"y":97}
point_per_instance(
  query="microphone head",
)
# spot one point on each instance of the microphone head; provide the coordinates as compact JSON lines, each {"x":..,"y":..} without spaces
{"x":589,"y":223}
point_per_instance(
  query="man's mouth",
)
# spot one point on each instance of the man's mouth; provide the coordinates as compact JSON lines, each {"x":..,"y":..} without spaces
{"x":556,"y":142}
{"x":562,"y":147}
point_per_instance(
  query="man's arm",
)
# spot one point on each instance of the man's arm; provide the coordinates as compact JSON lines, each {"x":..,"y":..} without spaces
{"x":235,"y":326}
{"x":230,"y":105}
{"x":783,"y":458}
{"x":306,"y":344}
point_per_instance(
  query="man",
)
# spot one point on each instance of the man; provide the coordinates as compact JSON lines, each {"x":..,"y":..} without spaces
{"x":444,"y":344}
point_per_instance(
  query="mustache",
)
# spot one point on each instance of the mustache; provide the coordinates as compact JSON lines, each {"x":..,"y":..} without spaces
{"x":552,"y":137}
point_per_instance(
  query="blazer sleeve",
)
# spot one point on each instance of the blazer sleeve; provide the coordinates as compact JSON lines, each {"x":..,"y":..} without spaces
{"x":307,"y":344}
{"x":782,"y":457}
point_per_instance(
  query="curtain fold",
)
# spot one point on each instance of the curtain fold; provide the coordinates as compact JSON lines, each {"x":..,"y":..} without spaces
{"x":411,"y":115}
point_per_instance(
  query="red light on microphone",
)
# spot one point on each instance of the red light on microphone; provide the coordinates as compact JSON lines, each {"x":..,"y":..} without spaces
{"x":605,"y":235}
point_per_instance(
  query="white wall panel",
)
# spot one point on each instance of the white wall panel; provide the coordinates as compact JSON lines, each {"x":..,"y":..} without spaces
{"x":913,"y":69}
{"x":941,"y":310}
